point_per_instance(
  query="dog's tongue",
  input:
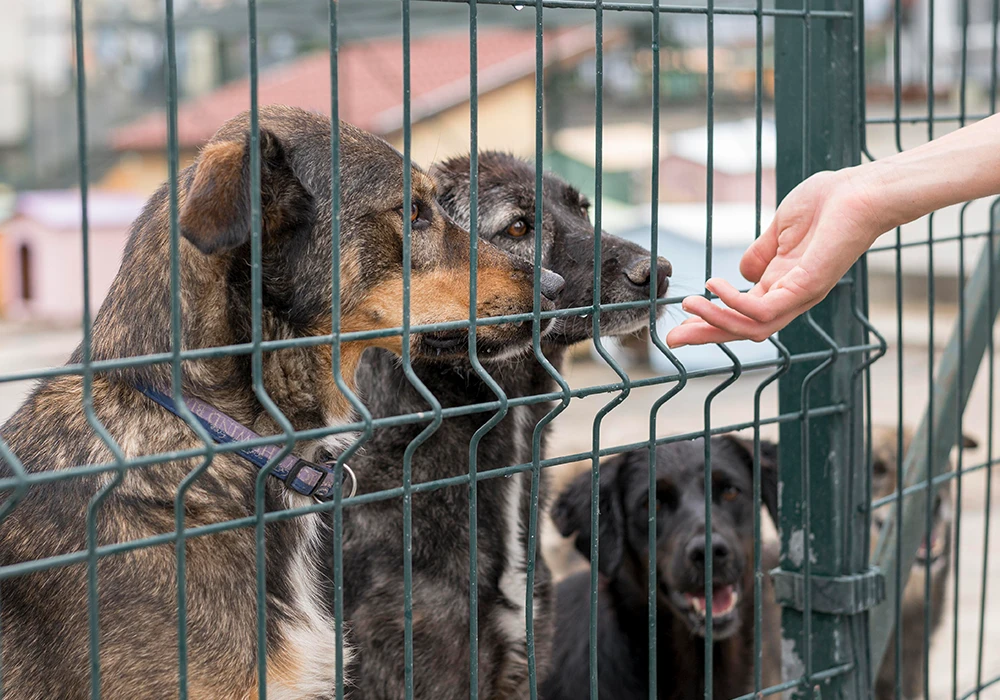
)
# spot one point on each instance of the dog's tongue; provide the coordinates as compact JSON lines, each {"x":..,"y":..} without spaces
{"x":723,"y":600}
{"x":925,"y":548}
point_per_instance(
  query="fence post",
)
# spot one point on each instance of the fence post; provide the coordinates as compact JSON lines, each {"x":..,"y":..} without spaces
{"x":823,"y":584}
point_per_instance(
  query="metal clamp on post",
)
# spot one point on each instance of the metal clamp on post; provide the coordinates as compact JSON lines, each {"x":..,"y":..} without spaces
{"x":835,"y":595}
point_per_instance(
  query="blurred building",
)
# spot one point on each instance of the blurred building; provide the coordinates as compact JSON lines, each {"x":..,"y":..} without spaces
{"x":627,"y":157}
{"x":684,"y":167}
{"x":41,"y":252}
{"x":370,"y":82}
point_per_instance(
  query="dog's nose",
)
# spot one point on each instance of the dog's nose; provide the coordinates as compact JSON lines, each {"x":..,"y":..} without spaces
{"x":638,"y":273}
{"x":663,"y":272}
{"x":721,"y":550}
{"x":552,"y":285}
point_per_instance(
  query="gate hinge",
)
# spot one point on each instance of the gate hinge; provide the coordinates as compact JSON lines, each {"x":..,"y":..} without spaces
{"x":835,"y":595}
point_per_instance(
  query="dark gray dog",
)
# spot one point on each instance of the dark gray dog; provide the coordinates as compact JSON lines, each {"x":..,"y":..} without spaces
{"x":373,"y":538}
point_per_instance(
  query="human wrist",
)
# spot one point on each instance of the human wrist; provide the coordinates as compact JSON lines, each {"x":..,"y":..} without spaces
{"x":870,"y":191}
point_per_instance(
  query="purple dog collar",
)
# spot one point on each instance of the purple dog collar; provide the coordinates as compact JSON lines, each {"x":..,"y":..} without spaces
{"x":301,"y":476}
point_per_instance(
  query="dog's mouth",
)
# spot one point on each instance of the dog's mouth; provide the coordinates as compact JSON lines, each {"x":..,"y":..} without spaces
{"x":449,"y":345}
{"x":933,"y":550}
{"x":693,"y":607}
{"x":445,"y":340}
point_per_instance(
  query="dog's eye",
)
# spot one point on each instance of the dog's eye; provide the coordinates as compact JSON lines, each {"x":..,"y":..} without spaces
{"x":664,"y":499}
{"x":879,"y":468}
{"x":517,"y":229}
{"x":414,"y":212}
{"x":730,"y":493}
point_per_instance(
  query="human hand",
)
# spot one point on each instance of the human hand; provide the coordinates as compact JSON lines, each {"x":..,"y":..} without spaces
{"x":819,"y":231}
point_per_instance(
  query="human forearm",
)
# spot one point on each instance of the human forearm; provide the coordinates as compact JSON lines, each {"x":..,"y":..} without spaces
{"x":954,"y":168}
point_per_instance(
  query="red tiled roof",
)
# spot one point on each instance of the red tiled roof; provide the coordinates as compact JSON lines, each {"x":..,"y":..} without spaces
{"x":370,"y":83}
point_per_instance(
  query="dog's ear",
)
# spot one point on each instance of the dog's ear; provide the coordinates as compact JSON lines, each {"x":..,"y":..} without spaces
{"x":571,"y":514}
{"x":215,"y":215}
{"x":768,"y":468}
{"x":450,"y":173}
{"x":452,"y":180}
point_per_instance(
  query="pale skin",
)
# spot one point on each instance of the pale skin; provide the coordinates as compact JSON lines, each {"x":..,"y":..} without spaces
{"x":826,"y":223}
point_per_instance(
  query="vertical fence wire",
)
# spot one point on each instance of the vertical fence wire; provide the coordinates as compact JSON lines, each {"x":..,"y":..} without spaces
{"x":758,"y":573}
{"x":654,"y":235}
{"x":928,"y":485}
{"x":897,"y":574}
{"x":93,"y":599}
{"x":176,"y":345}
{"x":988,"y":496}
{"x":960,"y":410}
{"x":408,"y":367}
{"x":335,"y":353}
{"x":595,"y":485}
{"x":709,"y":210}
{"x":987,"y":500}
{"x":806,"y":492}
{"x":991,"y":375}
{"x":502,"y":411}
{"x":539,"y":355}
{"x":257,"y":355}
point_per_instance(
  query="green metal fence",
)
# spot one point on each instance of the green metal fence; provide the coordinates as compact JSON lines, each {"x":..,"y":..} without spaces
{"x":835,"y":623}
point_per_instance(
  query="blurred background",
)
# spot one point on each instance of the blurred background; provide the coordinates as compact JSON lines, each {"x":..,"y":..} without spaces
{"x":40,"y":242}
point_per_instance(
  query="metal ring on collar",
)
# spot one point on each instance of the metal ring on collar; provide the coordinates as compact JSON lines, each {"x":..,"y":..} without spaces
{"x":354,"y":483}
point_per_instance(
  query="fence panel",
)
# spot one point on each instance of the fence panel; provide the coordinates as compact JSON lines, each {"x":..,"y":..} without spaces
{"x":838,"y":607}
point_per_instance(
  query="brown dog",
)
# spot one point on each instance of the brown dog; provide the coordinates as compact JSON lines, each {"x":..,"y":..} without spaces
{"x":46,"y":645}
{"x":934,"y":553}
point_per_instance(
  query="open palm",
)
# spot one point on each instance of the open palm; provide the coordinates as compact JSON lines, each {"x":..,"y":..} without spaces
{"x":820,"y":229}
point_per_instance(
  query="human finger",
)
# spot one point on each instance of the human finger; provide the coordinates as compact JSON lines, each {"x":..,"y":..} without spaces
{"x":763,"y":307}
{"x":694,"y":331}
{"x":727,"y":319}
{"x":760,"y":254}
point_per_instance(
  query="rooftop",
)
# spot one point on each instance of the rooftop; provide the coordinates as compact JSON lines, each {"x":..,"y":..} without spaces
{"x":370,"y":83}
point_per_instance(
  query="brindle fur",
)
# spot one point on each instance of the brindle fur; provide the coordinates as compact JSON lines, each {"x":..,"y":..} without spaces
{"x":884,"y":478}
{"x":45,"y":631}
{"x":373,"y":533}
{"x":623,"y":623}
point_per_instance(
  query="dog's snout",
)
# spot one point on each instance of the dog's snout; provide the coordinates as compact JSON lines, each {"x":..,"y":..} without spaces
{"x":552,"y":285}
{"x":639,"y":272}
{"x":663,"y":272}
{"x":721,"y":551}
